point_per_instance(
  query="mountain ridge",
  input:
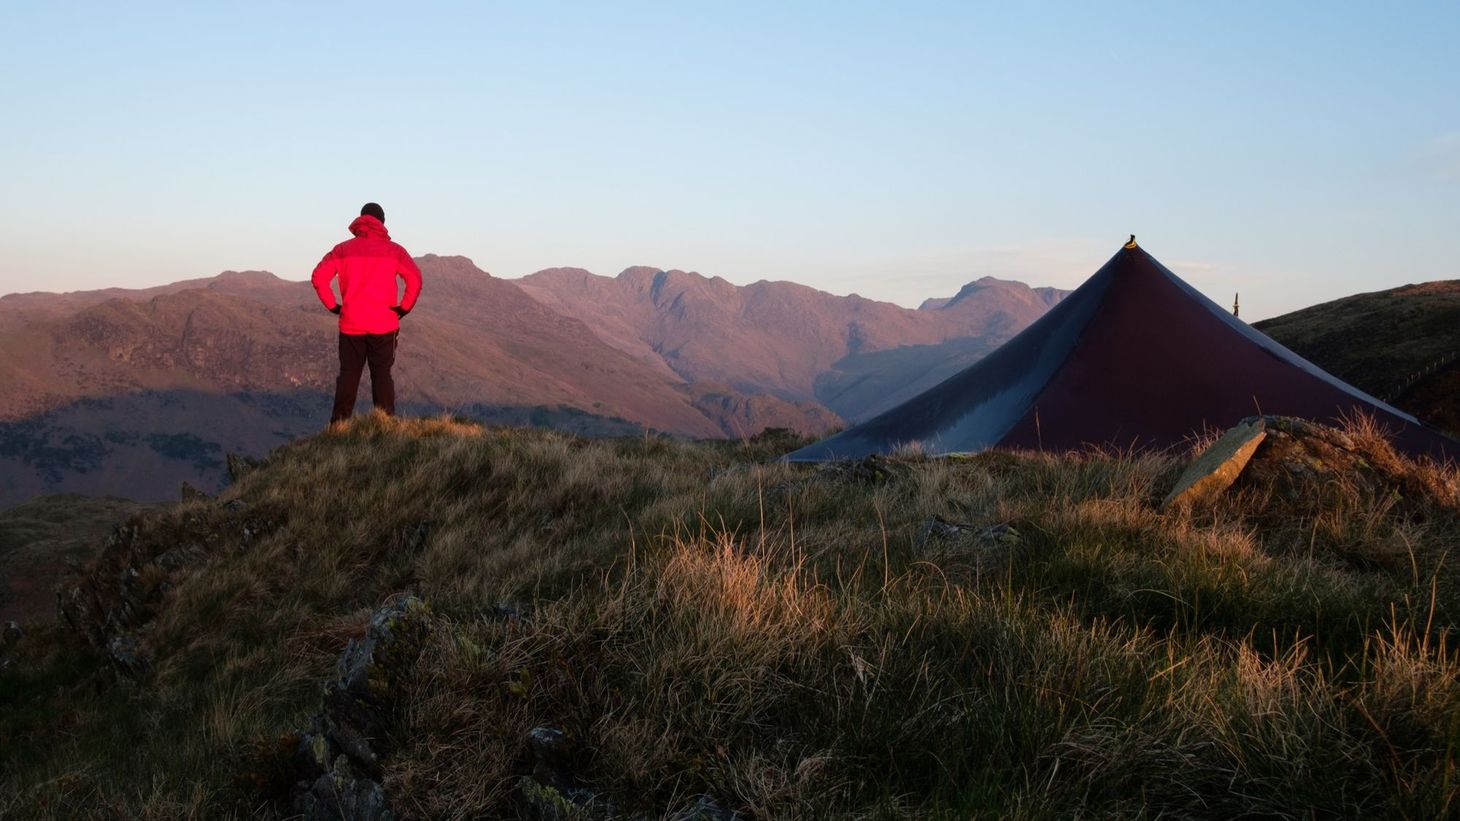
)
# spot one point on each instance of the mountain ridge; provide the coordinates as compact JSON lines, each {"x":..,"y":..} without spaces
{"x":130,"y":391}
{"x":790,"y":340}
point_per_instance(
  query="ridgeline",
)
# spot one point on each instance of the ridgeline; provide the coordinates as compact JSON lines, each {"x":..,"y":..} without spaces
{"x":1401,"y":345}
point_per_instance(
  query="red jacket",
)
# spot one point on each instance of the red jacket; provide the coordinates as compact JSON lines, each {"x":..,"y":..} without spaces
{"x":367,"y":267}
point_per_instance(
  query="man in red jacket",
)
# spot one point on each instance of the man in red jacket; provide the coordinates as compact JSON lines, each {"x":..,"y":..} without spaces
{"x":368,"y":307}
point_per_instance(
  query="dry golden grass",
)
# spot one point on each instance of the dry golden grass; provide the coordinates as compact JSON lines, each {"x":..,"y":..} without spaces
{"x":706,"y":620}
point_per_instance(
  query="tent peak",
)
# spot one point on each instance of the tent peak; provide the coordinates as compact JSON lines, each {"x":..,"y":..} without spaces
{"x":1135,"y":358}
{"x":1132,"y":243}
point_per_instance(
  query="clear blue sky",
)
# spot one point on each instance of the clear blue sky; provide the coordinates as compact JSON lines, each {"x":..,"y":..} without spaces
{"x":1295,"y":152}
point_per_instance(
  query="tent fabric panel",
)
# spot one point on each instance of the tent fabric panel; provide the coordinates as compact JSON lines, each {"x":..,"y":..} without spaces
{"x":1157,"y":367}
{"x":1279,"y":350}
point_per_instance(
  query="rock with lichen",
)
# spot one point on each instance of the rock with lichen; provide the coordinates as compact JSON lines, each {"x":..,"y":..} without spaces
{"x":1303,"y":463}
{"x":338,"y":759}
{"x":1216,"y":468}
{"x":1293,"y":465}
{"x":553,"y":791}
{"x":343,"y":793}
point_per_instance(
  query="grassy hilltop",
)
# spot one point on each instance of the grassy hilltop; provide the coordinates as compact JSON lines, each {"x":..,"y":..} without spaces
{"x":1402,"y":345}
{"x":706,"y":630}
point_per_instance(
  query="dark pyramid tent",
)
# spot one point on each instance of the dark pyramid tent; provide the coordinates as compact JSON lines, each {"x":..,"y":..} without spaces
{"x":1134,"y":358}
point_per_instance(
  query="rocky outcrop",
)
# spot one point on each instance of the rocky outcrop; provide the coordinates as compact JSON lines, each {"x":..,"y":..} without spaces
{"x":240,"y":466}
{"x":114,"y":600}
{"x":338,"y":759}
{"x":960,"y":548}
{"x":1300,"y":456}
{"x":1293,"y":464}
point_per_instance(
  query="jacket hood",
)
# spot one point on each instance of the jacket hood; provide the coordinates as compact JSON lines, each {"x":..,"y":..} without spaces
{"x":366,"y":225}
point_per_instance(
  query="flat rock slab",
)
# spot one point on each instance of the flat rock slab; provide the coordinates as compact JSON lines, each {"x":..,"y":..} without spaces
{"x":1218,"y":466}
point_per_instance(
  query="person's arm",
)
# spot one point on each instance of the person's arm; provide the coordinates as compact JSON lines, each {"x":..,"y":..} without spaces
{"x":323,"y":274}
{"x":412,"y":275}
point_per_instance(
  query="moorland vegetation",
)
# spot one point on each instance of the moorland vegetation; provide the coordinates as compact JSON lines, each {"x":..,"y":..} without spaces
{"x":704,"y":629}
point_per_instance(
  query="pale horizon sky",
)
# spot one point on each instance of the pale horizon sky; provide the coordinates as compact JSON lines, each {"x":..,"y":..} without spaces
{"x":1295,"y":152}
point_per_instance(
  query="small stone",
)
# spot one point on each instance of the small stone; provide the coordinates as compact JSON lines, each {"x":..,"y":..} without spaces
{"x":1002,"y":534}
{"x":9,"y":637}
{"x":314,"y":754}
{"x":1218,"y":466}
{"x":181,"y":556}
{"x":548,"y":803}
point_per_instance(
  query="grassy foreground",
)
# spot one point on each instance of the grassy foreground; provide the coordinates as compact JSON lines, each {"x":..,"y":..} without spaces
{"x":793,"y":642}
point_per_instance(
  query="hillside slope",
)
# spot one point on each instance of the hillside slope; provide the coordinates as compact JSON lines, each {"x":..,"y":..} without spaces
{"x":646,"y":627}
{"x":1402,"y":345}
{"x":40,"y":539}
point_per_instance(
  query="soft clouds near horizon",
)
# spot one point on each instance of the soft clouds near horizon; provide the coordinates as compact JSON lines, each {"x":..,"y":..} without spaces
{"x":1295,"y":153}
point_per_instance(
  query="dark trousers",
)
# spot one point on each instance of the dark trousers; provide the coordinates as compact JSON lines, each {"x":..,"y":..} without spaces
{"x":355,"y":351}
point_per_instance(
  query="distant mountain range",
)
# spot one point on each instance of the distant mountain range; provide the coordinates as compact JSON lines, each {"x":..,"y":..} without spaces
{"x":852,"y":355}
{"x":130,"y":392}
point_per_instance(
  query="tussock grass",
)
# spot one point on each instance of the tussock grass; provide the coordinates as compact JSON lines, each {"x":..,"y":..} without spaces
{"x":704,"y":620}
